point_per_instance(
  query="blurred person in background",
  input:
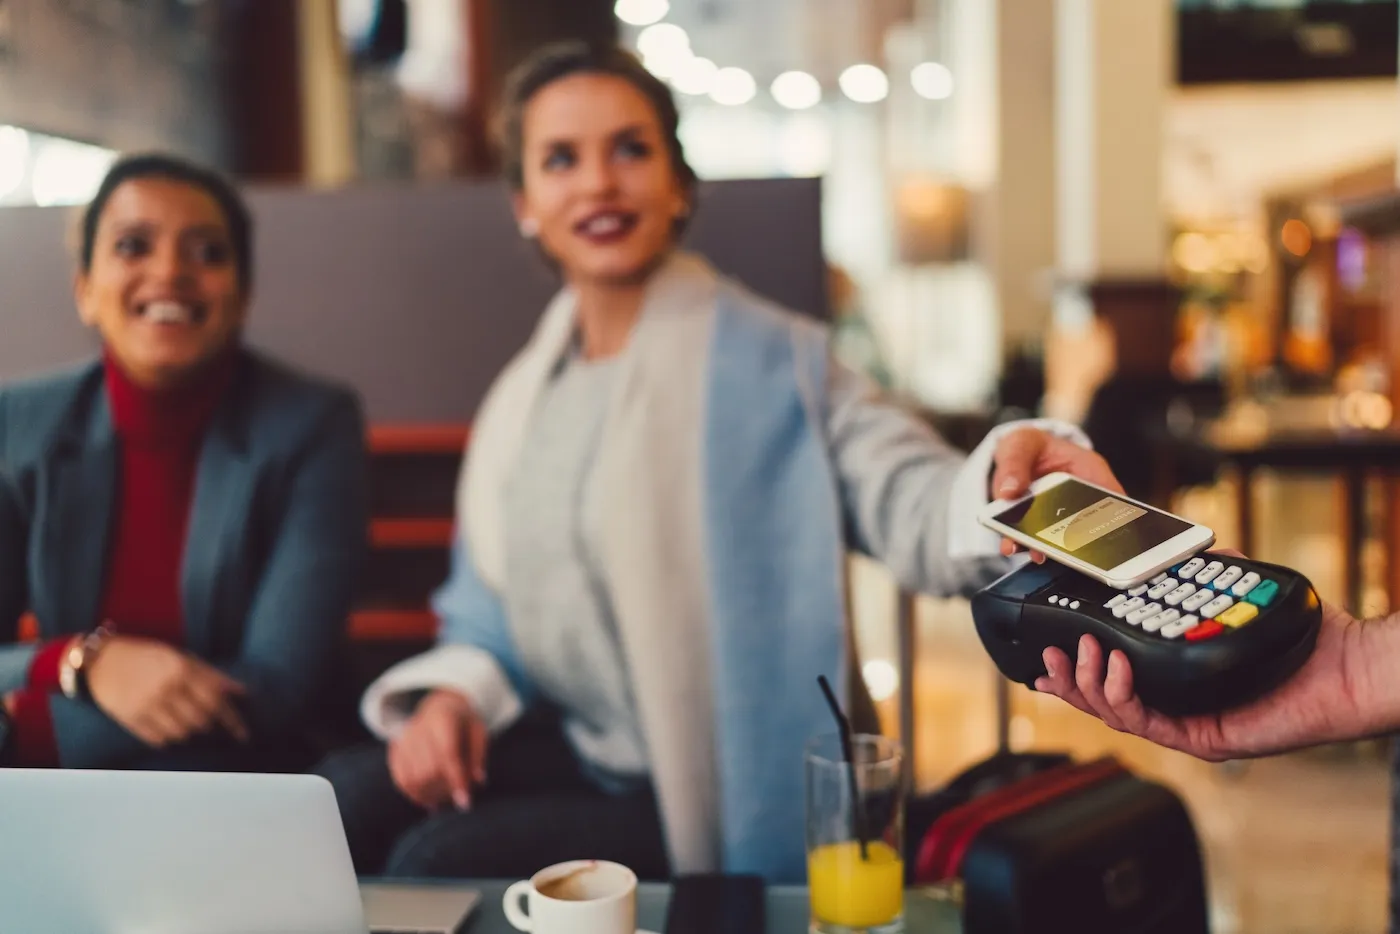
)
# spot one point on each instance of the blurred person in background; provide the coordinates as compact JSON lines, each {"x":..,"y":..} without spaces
{"x":853,"y":340}
{"x":652,"y":526}
{"x":183,"y":517}
{"x":432,"y":77}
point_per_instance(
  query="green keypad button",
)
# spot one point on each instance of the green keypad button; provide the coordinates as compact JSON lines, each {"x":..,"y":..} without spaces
{"x":1263,"y":593}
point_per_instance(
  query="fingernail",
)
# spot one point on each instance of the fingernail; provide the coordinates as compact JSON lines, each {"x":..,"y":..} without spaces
{"x":1042,"y":685}
{"x":1049,"y":669}
{"x":1083,"y":649}
{"x":1009,"y":485}
{"x":461,"y":799}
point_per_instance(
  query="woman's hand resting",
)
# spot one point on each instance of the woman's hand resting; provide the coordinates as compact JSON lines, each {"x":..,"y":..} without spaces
{"x":162,"y":695}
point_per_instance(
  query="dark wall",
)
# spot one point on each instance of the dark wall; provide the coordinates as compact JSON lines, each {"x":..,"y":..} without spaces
{"x":260,"y":89}
{"x":522,"y":26}
{"x":123,"y":74}
{"x":416,"y":296}
{"x":1317,"y":40}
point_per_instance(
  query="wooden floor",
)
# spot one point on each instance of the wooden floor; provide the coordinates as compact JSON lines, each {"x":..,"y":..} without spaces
{"x":1293,"y":844}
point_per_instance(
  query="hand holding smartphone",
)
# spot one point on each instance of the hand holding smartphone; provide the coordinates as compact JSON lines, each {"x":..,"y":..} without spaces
{"x":1106,"y":535}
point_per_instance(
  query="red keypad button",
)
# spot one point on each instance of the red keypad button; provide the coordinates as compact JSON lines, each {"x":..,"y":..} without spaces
{"x":1208,"y":629}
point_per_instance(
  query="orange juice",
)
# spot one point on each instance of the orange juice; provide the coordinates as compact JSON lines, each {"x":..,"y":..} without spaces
{"x":854,"y":892}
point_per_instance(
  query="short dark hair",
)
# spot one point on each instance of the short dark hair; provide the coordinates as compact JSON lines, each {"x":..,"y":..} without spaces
{"x":173,"y":168}
{"x":560,"y":60}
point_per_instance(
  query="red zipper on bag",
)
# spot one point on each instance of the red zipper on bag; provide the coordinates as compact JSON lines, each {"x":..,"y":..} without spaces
{"x":947,"y":841}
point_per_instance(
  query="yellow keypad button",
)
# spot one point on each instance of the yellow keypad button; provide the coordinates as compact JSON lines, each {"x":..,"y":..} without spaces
{"x":1239,"y":614}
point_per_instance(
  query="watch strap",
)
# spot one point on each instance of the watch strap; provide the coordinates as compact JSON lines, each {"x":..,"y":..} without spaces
{"x":78,"y":662}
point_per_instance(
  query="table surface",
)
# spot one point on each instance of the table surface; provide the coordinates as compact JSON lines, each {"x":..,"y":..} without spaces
{"x":787,"y":910}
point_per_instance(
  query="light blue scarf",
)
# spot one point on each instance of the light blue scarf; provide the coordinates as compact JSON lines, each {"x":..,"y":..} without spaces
{"x":723,"y":548}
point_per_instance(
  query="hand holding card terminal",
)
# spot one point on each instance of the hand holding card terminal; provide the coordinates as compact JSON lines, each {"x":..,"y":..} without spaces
{"x":1210,"y":633}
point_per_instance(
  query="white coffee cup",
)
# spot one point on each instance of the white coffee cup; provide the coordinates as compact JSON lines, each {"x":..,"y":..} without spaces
{"x":581,"y":897}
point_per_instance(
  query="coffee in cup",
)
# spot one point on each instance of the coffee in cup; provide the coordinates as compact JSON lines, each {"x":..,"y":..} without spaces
{"x":580,"y":897}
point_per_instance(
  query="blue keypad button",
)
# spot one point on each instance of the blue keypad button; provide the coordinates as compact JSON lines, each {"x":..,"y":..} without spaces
{"x":1263,"y":594}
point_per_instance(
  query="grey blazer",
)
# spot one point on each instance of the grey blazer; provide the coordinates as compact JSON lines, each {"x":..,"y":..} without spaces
{"x":277,"y":533}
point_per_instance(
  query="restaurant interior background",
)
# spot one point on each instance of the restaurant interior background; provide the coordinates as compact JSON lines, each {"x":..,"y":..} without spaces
{"x":1175,"y":222}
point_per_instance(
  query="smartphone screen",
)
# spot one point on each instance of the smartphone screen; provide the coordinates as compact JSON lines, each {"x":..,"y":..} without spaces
{"x":1092,"y":525}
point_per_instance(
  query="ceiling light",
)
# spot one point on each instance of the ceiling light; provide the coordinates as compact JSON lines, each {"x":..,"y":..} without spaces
{"x":695,"y":76}
{"x":664,"y":68}
{"x":14,"y":158}
{"x":804,"y":147}
{"x":641,"y":12}
{"x":796,"y":90}
{"x":881,"y":679}
{"x":69,"y":173}
{"x":732,"y":87}
{"x":864,"y":84}
{"x":663,"y":41}
{"x":932,"y":80}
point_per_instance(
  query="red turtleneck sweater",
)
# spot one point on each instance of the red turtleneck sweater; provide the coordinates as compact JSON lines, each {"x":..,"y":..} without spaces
{"x":159,"y":436}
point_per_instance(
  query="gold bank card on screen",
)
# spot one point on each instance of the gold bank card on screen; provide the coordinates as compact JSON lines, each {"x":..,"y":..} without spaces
{"x":1090,"y":523}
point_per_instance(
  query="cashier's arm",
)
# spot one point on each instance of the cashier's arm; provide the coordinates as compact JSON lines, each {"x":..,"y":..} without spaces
{"x":1348,"y":689}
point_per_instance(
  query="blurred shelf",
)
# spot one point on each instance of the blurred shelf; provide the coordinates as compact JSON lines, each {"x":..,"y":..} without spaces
{"x":365,"y":626}
{"x":418,"y":439}
{"x":411,"y":533}
{"x":393,"y":625}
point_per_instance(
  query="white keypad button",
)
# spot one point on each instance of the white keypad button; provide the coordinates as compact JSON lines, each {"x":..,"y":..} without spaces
{"x":1138,"y":591}
{"x":1142,"y":613}
{"x":1054,"y":598}
{"x":1158,"y":579}
{"x":1118,"y":600}
{"x":1180,"y":627}
{"x":1123,"y":609}
{"x":1191,"y":568}
{"x":1064,"y":601}
{"x":1197,"y":600}
{"x":1209,"y":574}
{"x":1180,"y":593}
{"x":1228,"y":577}
{"x":1155,"y":623}
{"x":1217,"y":606}
{"x":1074,"y":605}
{"x":1246,"y":584}
{"x":1162,"y":588}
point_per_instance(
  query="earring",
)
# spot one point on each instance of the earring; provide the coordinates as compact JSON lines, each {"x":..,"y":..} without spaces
{"x":529,"y":228}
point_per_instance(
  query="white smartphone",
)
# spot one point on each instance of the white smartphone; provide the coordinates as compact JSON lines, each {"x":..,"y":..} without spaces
{"x":1097,"y":532}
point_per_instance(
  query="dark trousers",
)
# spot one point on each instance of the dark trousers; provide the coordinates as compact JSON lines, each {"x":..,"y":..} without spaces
{"x":210,"y":754}
{"x":537,"y":809}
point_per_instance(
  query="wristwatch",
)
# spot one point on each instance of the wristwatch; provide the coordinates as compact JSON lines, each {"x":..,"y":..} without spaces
{"x":77,"y":662}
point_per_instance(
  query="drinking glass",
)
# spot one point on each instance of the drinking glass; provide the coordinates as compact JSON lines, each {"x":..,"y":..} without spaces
{"x":855,"y":835}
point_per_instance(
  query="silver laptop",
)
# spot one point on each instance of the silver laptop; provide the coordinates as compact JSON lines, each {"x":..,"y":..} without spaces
{"x":193,"y":853}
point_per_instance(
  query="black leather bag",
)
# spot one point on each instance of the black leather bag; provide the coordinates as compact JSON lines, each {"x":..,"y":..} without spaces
{"x":1039,"y":843}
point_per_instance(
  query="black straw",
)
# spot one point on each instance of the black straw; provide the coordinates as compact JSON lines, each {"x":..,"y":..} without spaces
{"x":843,"y":728}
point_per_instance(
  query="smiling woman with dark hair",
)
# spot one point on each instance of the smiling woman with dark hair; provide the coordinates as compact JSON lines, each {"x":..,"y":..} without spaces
{"x":183,"y":517}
